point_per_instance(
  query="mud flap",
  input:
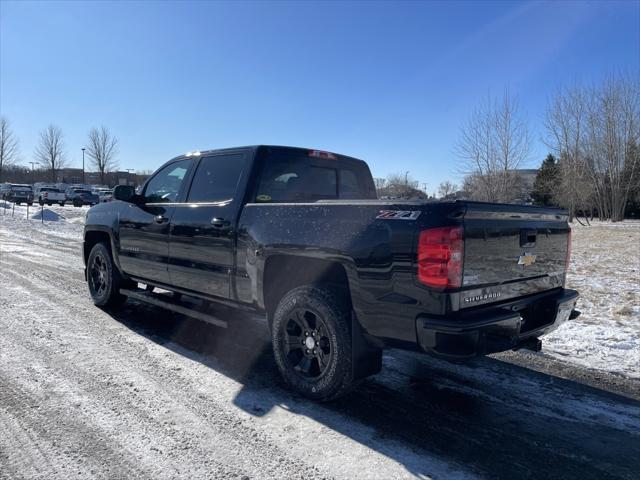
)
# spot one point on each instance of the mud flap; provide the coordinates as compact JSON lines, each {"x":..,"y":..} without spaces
{"x":366,"y":359}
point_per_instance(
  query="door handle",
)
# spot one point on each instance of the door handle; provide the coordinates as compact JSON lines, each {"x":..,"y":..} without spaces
{"x":220,"y":222}
{"x":160,"y":219}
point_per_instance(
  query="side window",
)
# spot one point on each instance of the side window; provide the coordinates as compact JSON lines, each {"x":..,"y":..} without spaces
{"x":164,"y":186}
{"x":217,"y":178}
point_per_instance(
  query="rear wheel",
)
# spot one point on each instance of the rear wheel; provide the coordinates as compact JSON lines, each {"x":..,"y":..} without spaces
{"x":103,"y":277}
{"x":76,"y":203}
{"x":312,"y":342}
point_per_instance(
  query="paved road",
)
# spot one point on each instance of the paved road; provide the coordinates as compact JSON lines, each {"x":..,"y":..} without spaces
{"x":142,"y":393}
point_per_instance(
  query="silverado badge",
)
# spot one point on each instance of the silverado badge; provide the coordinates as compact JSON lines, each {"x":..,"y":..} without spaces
{"x":526,"y":259}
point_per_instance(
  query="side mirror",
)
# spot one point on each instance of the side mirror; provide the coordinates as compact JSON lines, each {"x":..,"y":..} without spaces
{"x":124,"y":193}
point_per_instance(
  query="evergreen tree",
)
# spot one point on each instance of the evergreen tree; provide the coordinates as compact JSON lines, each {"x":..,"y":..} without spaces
{"x":547,"y":182}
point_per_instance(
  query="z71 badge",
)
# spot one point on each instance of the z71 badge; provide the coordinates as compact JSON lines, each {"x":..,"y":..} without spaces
{"x":398,"y":214}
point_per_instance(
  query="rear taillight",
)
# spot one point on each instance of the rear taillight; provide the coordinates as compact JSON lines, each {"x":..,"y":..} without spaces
{"x":440,"y":255}
{"x":568,"y":259}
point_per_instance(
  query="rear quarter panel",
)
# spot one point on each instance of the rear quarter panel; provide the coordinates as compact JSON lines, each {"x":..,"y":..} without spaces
{"x":376,"y":253}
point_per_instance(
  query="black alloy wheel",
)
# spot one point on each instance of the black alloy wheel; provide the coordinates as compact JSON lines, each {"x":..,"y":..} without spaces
{"x":308,"y":346}
{"x":99,"y":275}
{"x":104,"y":278}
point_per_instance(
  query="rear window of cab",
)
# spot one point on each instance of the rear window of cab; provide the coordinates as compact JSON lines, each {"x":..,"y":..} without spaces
{"x":297,"y":176}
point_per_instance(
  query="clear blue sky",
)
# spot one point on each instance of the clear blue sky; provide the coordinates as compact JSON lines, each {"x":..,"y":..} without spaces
{"x":390,"y":83}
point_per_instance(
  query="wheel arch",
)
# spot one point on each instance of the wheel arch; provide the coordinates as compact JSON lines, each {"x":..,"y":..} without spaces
{"x":284,"y":272}
{"x":96,"y":235}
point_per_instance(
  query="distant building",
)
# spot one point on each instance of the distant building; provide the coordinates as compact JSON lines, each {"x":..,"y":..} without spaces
{"x":527,"y":177}
{"x":74,"y":175}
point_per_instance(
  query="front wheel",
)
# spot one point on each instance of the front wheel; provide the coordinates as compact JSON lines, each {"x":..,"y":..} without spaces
{"x":312,"y":342}
{"x":103,"y":277}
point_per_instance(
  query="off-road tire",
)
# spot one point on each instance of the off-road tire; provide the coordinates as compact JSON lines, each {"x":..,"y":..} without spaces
{"x":107,"y":295}
{"x":335,"y":313}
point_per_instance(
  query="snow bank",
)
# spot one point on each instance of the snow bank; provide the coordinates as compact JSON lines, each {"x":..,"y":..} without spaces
{"x":48,"y":215}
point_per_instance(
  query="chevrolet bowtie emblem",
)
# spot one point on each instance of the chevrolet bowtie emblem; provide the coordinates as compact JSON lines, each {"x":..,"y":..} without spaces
{"x":526,"y":259}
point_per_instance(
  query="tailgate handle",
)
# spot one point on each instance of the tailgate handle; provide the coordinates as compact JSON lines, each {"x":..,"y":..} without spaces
{"x":528,"y":238}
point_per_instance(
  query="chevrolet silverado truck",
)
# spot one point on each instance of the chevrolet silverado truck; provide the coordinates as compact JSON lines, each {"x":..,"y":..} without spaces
{"x":299,"y":236}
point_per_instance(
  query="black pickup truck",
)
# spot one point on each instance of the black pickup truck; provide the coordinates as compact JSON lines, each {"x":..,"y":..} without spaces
{"x":299,"y":236}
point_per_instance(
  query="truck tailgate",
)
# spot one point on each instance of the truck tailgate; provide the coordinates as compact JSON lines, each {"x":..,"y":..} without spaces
{"x":512,"y":249}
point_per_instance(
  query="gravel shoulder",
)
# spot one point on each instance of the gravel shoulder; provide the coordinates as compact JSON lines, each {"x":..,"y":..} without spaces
{"x":143,"y":393}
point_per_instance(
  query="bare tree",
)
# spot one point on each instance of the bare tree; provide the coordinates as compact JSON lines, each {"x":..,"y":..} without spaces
{"x":595,"y":132}
{"x":400,"y":185}
{"x":446,"y":188}
{"x":49,"y":152}
{"x":615,"y":132}
{"x":493,"y":143}
{"x":102,"y":150}
{"x":565,"y":121}
{"x":8,"y":145}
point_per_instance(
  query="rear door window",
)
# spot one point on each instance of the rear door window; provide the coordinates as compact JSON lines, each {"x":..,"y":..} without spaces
{"x":217,"y":177}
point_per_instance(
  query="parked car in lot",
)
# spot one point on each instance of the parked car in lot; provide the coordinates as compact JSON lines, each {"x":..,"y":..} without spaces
{"x":104,"y":194}
{"x":81,"y":196}
{"x":299,"y":236}
{"x":16,"y":193}
{"x":49,"y":195}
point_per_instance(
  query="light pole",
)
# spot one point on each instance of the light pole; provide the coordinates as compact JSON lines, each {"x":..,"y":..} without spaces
{"x":83,"y":166}
{"x":32,"y":168}
{"x":129,"y":170}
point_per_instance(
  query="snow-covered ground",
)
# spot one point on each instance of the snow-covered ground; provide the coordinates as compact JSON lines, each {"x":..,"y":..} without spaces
{"x":605,"y":269}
